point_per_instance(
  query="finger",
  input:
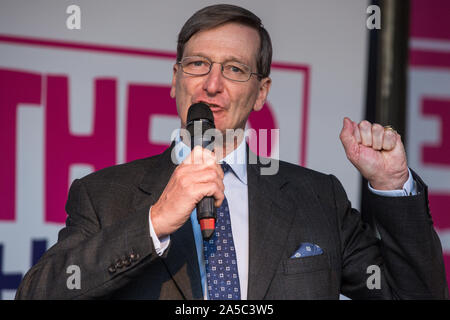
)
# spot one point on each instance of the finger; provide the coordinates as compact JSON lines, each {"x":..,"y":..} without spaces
{"x":218,"y":202}
{"x":220,"y":194}
{"x":346,"y":136}
{"x":195,"y":164}
{"x":365,"y":128}
{"x":200,"y":172}
{"x":204,"y":156}
{"x":389,"y":139}
{"x":216,"y":167}
{"x":200,"y":155}
{"x":356,"y":132}
{"x":210,"y":189}
{"x":208,"y":174}
{"x":377,"y":136}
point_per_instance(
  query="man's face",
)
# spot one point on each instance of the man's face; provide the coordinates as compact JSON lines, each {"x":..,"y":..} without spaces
{"x":231,"y":102}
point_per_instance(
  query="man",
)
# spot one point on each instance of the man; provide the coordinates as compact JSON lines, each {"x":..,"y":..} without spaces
{"x":132,"y":229}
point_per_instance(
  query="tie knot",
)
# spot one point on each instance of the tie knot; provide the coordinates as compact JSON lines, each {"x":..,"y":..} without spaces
{"x":225,"y":167}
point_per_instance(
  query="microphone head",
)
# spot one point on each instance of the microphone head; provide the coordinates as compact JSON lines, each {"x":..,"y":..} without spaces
{"x":199,"y":111}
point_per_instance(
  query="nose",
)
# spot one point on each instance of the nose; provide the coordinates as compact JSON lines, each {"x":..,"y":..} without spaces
{"x":214,"y":80}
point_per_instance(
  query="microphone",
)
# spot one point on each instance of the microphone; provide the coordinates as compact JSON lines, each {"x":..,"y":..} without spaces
{"x":199,"y":119}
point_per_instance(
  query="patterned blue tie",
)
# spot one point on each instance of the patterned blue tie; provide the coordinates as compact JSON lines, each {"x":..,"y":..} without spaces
{"x":220,"y":257}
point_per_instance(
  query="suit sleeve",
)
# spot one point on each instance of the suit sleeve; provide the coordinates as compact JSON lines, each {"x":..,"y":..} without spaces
{"x":107,"y":256}
{"x":407,"y":253}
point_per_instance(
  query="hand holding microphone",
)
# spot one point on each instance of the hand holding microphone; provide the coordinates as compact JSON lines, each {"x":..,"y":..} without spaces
{"x":197,"y":177}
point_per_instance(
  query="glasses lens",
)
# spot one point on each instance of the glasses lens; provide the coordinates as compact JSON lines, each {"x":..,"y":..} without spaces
{"x":195,"y":65}
{"x":236,"y":71}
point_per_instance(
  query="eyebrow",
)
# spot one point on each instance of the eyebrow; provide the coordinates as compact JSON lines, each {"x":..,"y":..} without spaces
{"x":227,"y":58}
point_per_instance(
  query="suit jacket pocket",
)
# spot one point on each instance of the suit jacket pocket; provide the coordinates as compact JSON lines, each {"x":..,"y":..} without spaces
{"x":306,"y":264}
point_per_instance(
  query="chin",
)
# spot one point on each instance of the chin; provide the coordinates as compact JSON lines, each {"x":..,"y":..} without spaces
{"x":218,"y":123}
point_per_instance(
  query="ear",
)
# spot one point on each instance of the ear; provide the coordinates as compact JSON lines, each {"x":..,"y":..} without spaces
{"x":264,"y":87}
{"x":174,"y":81}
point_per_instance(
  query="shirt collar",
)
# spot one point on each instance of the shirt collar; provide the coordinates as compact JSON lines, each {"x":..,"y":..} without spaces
{"x":237,"y":159}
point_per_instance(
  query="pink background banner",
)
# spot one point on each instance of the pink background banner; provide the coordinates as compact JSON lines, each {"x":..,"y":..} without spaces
{"x":98,"y":149}
{"x":428,"y":120}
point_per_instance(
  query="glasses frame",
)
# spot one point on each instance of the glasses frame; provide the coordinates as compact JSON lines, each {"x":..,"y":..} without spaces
{"x":260,"y":76}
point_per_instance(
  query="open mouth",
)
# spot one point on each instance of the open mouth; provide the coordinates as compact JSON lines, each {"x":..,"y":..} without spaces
{"x":213,"y":107}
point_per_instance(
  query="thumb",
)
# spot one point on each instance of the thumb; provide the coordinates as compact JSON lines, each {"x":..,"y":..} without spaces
{"x":347,"y":138}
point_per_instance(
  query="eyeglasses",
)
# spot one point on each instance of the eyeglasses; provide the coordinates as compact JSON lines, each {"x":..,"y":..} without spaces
{"x":200,"y":66}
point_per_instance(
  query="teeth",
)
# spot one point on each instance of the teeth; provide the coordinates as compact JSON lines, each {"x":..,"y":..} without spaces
{"x":211,"y":105}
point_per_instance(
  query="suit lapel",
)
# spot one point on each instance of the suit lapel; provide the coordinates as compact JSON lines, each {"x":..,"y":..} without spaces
{"x":270,"y":220}
{"x":181,"y":260}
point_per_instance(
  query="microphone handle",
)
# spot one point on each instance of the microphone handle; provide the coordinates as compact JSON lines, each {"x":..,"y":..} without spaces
{"x":206,"y":216}
{"x":206,"y":211}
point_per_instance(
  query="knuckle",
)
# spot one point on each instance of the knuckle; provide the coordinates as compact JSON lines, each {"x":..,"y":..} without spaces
{"x":365,"y":124}
{"x":210,"y":161}
{"x":184,"y":182}
{"x":218,"y":175}
{"x":196,"y":152}
{"x":207,"y":151}
{"x":217,"y":170}
{"x":389,"y":134}
{"x":217,"y":187}
{"x":377,"y":128}
{"x":197,"y":149}
{"x":210,"y":174}
{"x":178,"y":172}
{"x":188,"y":160}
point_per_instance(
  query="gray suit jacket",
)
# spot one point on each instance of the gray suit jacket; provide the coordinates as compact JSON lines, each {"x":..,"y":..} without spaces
{"x":107,"y":236}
